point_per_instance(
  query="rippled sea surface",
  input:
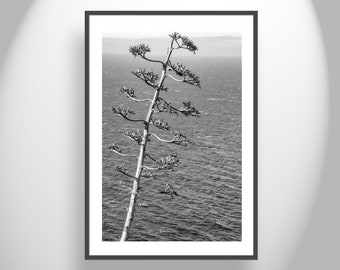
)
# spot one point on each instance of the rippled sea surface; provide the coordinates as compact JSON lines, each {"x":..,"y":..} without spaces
{"x":208,"y":178}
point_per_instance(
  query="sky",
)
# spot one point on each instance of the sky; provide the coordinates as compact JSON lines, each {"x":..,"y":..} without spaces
{"x":209,"y":43}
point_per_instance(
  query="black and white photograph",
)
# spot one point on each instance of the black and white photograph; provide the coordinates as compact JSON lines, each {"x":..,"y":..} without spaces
{"x":171,"y":144}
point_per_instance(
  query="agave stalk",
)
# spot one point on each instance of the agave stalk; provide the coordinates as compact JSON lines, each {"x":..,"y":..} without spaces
{"x":143,"y":144}
{"x":157,"y":105}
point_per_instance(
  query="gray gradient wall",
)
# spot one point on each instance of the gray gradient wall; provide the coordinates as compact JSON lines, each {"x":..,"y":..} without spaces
{"x":317,"y":250}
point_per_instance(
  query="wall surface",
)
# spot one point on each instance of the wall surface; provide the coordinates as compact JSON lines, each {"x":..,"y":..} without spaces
{"x":42,"y":139}
{"x":319,"y":248}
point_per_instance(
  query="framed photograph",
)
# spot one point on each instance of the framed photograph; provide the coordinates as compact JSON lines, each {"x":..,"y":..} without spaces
{"x":171,"y":134}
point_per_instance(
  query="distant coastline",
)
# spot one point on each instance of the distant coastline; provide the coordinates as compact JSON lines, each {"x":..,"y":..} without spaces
{"x":219,"y":46}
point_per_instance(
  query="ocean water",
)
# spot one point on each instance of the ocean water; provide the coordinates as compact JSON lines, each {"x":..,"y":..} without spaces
{"x":208,"y":178}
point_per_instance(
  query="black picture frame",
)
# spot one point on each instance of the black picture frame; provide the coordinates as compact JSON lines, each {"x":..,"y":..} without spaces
{"x":88,"y":256}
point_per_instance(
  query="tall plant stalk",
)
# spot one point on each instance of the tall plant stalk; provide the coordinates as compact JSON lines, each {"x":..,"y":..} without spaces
{"x":157,"y":104}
